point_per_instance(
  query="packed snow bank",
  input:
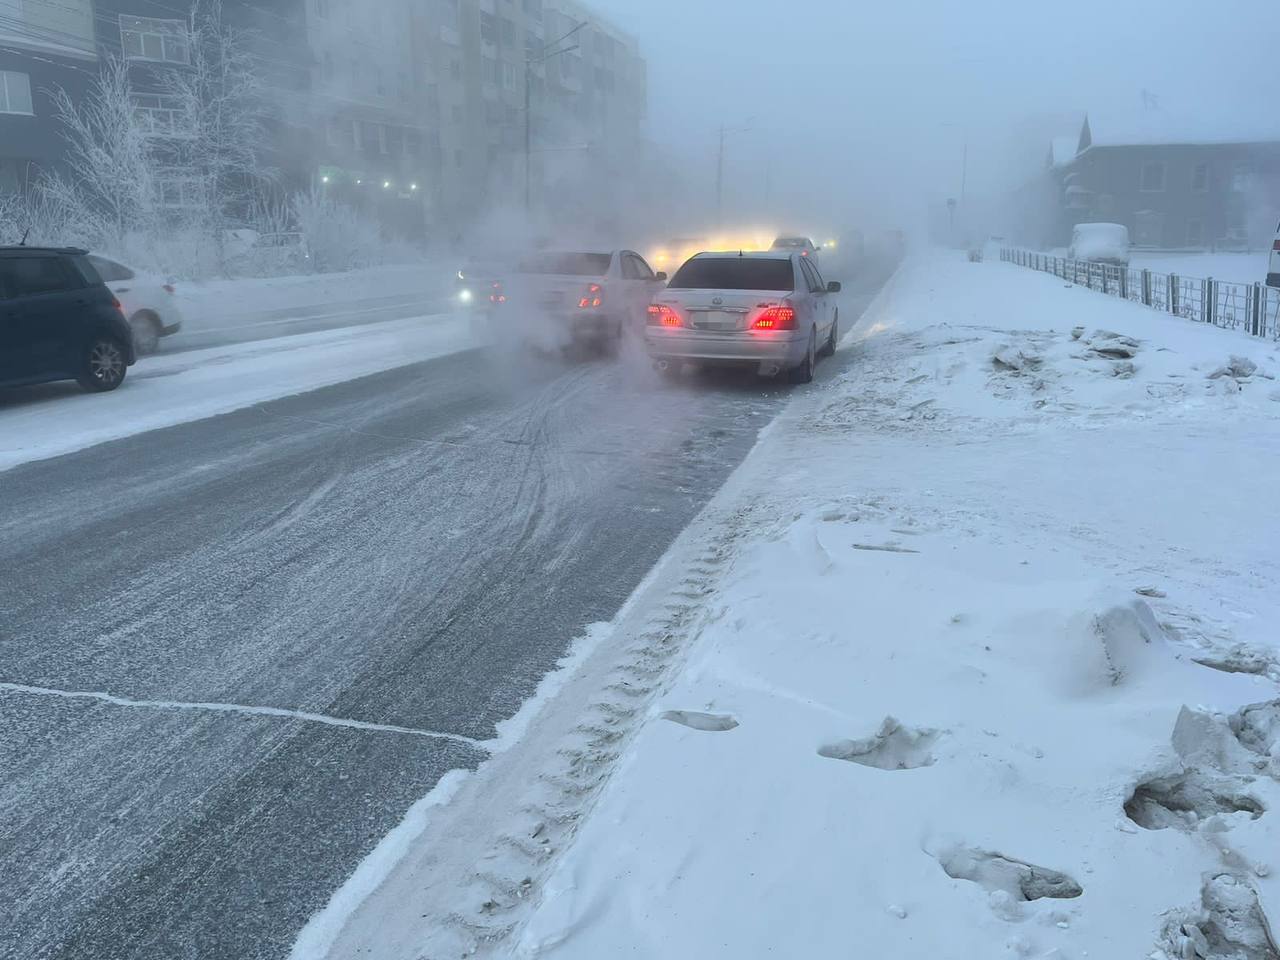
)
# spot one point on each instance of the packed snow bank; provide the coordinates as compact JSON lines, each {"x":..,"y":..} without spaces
{"x":215,"y":304}
{"x":37,"y":423}
{"x":991,"y":670}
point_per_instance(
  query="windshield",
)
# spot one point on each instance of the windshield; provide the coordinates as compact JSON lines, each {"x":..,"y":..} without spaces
{"x":734,"y":273}
{"x":568,"y":264}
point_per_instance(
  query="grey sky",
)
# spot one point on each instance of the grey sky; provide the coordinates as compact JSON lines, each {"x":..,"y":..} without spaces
{"x":882,"y":95}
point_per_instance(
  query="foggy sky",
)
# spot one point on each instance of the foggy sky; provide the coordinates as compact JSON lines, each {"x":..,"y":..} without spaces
{"x":873,"y":102}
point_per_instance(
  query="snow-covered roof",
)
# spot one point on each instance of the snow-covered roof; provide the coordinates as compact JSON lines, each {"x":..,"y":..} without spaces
{"x":1062,"y":150}
{"x":1111,"y":127}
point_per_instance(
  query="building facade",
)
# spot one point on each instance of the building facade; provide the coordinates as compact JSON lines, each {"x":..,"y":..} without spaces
{"x":43,"y":47}
{"x":415,"y":109}
{"x":1172,"y":188}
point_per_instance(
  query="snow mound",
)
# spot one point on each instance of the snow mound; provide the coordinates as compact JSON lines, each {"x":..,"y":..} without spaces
{"x":893,"y":747}
{"x":996,"y":873}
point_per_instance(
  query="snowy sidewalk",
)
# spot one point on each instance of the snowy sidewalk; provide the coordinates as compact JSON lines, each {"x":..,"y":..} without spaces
{"x":971,"y":682}
{"x":37,"y":423}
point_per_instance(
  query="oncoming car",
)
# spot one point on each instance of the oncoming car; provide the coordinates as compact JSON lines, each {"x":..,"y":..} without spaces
{"x":772,"y":311}
{"x":801,"y":245}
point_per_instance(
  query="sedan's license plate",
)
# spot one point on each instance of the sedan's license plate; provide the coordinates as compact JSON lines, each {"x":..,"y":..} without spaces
{"x":719,"y":320}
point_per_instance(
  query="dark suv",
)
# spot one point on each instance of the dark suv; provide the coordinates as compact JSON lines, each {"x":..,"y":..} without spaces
{"x":58,"y":321}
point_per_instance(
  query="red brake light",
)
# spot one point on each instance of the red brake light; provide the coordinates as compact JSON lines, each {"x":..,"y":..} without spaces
{"x":776,"y":318}
{"x":662,"y":315}
{"x":116,"y":303}
{"x":497,"y":296}
{"x":592,"y":298}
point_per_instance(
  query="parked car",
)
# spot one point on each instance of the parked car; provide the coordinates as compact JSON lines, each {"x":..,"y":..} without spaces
{"x":584,"y":297}
{"x":58,"y":321}
{"x":1273,"y":268}
{"x":772,"y":311}
{"x":1100,"y":243}
{"x":148,"y":302}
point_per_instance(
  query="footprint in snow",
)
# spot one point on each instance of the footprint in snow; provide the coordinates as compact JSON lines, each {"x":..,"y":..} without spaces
{"x":708,"y":722}
{"x":997,"y":873}
{"x":893,"y":747}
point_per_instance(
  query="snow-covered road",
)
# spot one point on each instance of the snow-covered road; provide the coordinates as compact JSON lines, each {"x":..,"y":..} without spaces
{"x":236,"y":651}
{"x":958,"y":664}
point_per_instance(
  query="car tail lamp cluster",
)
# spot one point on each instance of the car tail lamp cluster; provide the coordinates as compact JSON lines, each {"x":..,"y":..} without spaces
{"x":660,"y":315}
{"x":591,"y":298}
{"x":497,"y":296}
{"x":1276,"y":245}
{"x":776,"y":318}
{"x":118,"y":305}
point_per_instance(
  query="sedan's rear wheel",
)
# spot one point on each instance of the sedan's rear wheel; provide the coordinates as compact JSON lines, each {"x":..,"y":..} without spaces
{"x":146,"y":333}
{"x":103,"y":365}
{"x":803,"y":371}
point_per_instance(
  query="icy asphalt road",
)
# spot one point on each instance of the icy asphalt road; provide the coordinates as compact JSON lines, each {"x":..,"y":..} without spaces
{"x":294,"y":619}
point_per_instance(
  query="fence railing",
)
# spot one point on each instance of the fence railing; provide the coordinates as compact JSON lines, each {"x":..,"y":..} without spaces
{"x":1251,"y":307}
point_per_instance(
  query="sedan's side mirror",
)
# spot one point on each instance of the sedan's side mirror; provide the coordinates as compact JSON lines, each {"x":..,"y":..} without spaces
{"x":661,"y":276}
{"x":833,"y":286}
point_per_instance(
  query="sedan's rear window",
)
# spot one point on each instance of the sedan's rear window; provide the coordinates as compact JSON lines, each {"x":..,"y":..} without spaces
{"x":569,"y":264}
{"x":734,"y":273}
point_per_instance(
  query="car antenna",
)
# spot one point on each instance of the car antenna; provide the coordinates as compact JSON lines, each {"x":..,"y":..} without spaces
{"x":25,"y":234}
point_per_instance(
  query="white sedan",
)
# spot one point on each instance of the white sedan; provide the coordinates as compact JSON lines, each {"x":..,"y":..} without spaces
{"x":147,"y":301}
{"x":772,"y":311}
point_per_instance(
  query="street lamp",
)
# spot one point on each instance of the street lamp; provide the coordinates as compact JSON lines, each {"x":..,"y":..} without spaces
{"x":547,"y":54}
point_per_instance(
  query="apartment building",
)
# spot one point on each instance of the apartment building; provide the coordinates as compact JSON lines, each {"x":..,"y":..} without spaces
{"x":413,"y":108}
{"x":43,"y":47}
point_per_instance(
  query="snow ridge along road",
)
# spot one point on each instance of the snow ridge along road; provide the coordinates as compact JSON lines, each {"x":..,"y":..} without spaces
{"x":993,"y":672}
{"x":37,"y":423}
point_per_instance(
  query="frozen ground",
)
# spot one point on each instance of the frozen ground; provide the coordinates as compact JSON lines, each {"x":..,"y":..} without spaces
{"x":1236,"y":267}
{"x":47,"y":421}
{"x":959,"y":664}
{"x":976,"y":681}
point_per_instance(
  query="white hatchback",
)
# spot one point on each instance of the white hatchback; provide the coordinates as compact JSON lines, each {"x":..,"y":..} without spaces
{"x":148,"y":302}
{"x":772,"y":311}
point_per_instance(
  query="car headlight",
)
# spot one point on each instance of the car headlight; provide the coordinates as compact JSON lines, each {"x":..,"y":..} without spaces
{"x":465,"y":296}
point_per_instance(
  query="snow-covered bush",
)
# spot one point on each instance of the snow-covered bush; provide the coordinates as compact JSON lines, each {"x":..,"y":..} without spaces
{"x":338,"y":236}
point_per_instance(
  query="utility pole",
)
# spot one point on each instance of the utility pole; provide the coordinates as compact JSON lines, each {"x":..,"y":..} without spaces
{"x":720,"y":167}
{"x":964,"y":170}
{"x":547,"y":54}
{"x":720,"y":180}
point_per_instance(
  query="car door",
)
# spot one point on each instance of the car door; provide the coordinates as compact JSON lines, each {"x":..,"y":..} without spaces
{"x":820,"y":303}
{"x":639,"y":285}
{"x":119,"y":280}
{"x":49,"y":304}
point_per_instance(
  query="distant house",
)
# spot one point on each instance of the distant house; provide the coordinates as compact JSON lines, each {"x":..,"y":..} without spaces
{"x":1175,"y":185}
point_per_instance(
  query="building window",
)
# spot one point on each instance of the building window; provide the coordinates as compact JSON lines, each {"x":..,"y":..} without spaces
{"x":1241,"y":178}
{"x":508,"y":32}
{"x":1200,"y":178}
{"x":455,"y":69}
{"x":160,"y":116}
{"x":508,"y":75}
{"x":1152,"y":177}
{"x":165,"y":41}
{"x":488,"y":27}
{"x":15,"y":93}
{"x":178,"y":191}
{"x":489,"y":70}
{"x":1195,"y":233}
{"x":382,"y":139}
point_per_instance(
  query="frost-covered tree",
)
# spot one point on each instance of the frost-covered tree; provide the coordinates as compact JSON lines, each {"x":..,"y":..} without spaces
{"x":110,"y":182}
{"x":221,"y":98}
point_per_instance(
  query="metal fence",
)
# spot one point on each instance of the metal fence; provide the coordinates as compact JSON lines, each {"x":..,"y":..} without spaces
{"x":1251,"y":307}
